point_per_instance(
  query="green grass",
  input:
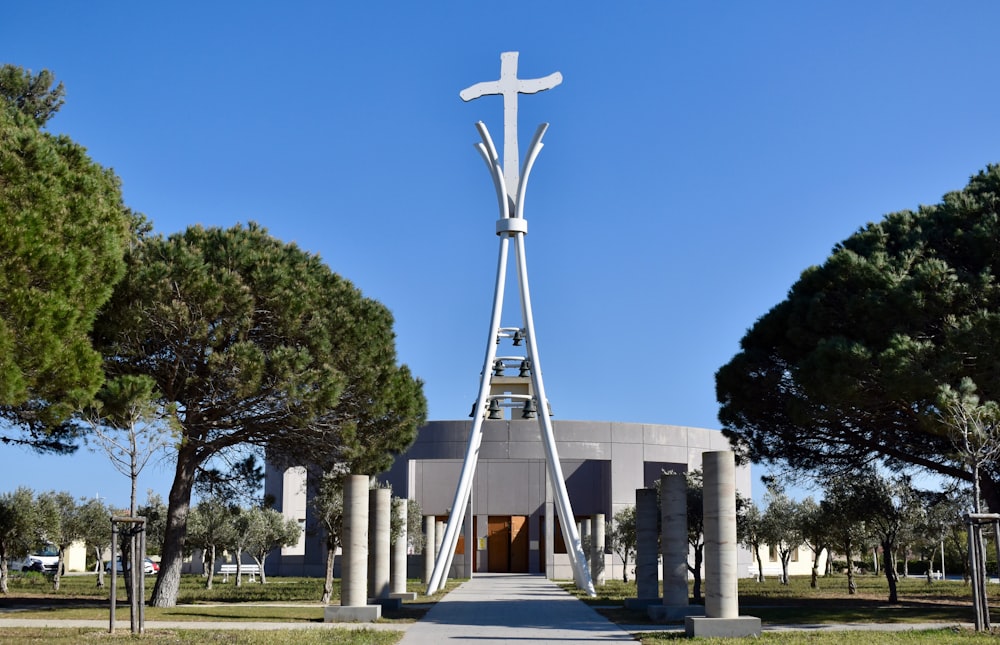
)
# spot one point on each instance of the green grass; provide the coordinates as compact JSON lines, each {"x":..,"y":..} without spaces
{"x":72,"y":636}
{"x":935,"y":637}
{"x":797,"y":603}
{"x":297,"y":600}
{"x":280,"y":600}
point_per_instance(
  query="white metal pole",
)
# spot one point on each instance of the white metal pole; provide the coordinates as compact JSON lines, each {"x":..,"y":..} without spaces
{"x":581,"y":571}
{"x":464,"y":488}
{"x":444,"y":557}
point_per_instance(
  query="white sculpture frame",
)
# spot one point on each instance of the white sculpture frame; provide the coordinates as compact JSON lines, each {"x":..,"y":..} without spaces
{"x":511,"y":225}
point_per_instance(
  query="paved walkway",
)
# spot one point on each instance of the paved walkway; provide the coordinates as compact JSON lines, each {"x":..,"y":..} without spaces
{"x":512,"y":608}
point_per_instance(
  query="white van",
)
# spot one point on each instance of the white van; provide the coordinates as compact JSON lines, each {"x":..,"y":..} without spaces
{"x":45,"y":559}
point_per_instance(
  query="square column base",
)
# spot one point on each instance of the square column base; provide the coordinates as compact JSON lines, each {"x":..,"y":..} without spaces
{"x":673,"y":613}
{"x":404,"y":595}
{"x":387,"y":604}
{"x":341,"y":614}
{"x":641,"y":603}
{"x":704,"y":627}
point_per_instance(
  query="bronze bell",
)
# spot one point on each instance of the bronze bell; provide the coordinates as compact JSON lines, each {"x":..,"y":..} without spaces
{"x":495,"y":411}
{"x":529,"y":411}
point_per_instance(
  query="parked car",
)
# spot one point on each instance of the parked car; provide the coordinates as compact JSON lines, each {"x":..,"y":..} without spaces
{"x":45,"y":559}
{"x":149,"y":567}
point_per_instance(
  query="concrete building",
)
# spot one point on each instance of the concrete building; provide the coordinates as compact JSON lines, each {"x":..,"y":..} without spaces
{"x":513,"y":527}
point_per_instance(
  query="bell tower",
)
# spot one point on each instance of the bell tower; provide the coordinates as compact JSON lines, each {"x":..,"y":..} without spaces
{"x":501,"y":389}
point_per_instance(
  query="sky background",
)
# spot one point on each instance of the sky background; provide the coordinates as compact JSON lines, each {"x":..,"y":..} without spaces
{"x":700,"y":156}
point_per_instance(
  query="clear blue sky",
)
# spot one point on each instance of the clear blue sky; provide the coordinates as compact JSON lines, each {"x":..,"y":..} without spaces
{"x":700,"y":156}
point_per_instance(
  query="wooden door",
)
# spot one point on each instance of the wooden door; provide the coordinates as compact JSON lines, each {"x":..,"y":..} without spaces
{"x":498,"y":544}
{"x":519,"y":544}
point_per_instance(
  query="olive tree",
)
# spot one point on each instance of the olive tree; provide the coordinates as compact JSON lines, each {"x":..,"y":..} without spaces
{"x":25,"y":522}
{"x":621,"y":537}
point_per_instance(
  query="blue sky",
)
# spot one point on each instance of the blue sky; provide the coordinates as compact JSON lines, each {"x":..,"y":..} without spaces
{"x":700,"y":156}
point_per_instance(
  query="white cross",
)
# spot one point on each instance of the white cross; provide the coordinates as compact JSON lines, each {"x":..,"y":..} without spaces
{"x":510,"y":86}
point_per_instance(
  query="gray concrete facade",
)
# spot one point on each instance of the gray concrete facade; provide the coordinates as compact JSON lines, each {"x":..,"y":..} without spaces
{"x":603,"y":463}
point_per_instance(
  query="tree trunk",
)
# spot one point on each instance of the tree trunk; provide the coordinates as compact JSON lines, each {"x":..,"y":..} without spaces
{"x":3,"y":573}
{"x":852,"y":585}
{"x":179,"y":505}
{"x":260,"y":565}
{"x":211,"y":566}
{"x":100,"y":567}
{"x":57,"y":578}
{"x":889,"y":565}
{"x":814,"y":579}
{"x":331,"y":554}
{"x":785,"y":557}
{"x":760,"y":564}
{"x":696,"y":572}
{"x":239,"y":567}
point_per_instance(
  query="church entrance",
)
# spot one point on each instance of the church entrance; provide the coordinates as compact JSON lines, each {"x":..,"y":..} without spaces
{"x":507,"y":544}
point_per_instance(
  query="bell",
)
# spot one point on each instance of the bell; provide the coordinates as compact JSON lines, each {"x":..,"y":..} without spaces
{"x":495,"y":411}
{"x":518,"y":338}
{"x":498,"y":367}
{"x":472,"y":415}
{"x":529,"y":411}
{"x":525,"y":369}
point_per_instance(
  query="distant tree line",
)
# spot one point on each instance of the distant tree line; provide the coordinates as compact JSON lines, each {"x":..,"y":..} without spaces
{"x":857,"y":520}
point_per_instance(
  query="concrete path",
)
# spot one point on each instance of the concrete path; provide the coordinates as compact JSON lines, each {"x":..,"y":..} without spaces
{"x":514,"y":608}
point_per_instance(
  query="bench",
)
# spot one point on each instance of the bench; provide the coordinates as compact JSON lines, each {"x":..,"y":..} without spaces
{"x":769,"y":571}
{"x":252,"y":570}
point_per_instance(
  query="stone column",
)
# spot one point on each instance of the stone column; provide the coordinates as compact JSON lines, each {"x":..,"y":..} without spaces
{"x":722,"y":611}
{"x":429,"y":551}
{"x":721,"y":593}
{"x":438,"y":537}
{"x":674,"y":539}
{"x":378,"y":542}
{"x":673,"y":549}
{"x":646,"y":551}
{"x":354,"y":577}
{"x":397,"y":572}
{"x":597,"y":550}
{"x":585,"y":536}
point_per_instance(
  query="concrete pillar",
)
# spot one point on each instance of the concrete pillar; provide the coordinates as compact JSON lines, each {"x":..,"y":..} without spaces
{"x":429,"y":551}
{"x":722,"y":612}
{"x":354,"y":577}
{"x":721,"y":593}
{"x":646,"y":557}
{"x":597,"y":550}
{"x":674,"y":539}
{"x":585,"y":536}
{"x":397,"y":572}
{"x":438,"y":538}
{"x":379,"y":520}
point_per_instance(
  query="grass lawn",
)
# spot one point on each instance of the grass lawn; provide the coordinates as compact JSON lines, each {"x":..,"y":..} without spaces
{"x":297,"y":600}
{"x":944,"y":601}
{"x":72,"y":636}
{"x":280,"y":600}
